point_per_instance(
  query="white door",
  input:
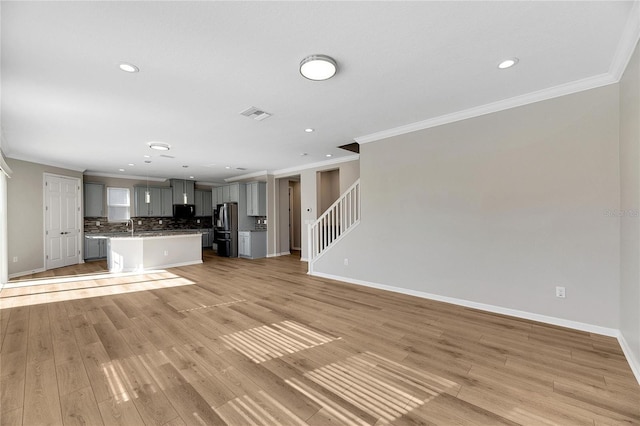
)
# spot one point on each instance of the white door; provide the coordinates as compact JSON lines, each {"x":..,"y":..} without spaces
{"x":62,"y":221}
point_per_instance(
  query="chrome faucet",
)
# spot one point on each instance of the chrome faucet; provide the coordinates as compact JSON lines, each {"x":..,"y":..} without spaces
{"x":130,"y":220}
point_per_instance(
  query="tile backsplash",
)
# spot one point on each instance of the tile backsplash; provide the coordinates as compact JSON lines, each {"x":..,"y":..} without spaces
{"x":261,"y":223}
{"x":148,"y":224}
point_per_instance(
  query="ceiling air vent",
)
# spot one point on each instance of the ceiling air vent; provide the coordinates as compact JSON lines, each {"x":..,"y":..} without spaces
{"x":255,"y":113}
{"x":167,"y":156}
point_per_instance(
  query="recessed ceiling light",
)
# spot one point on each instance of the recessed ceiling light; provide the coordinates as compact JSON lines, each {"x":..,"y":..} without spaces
{"x":507,"y":63}
{"x":128,"y":67}
{"x":146,"y":156}
{"x":227,"y":167}
{"x":191,"y":177}
{"x":318,"y":67}
{"x":122,"y":170}
{"x":328,"y":155}
{"x":309,"y":130}
{"x":160,"y":146}
{"x":131,"y":164}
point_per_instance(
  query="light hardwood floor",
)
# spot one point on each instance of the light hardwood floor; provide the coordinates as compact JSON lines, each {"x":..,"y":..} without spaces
{"x":259,"y":342}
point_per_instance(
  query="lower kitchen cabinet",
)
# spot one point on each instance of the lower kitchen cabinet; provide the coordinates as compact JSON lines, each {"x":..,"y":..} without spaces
{"x":95,"y":248}
{"x":207,"y":238}
{"x":252,"y":245}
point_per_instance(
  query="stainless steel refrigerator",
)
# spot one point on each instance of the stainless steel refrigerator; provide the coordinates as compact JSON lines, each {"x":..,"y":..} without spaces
{"x":225,"y":229}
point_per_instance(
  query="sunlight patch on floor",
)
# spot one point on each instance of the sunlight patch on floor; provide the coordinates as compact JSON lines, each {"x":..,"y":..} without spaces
{"x":262,"y":410}
{"x":64,"y":289}
{"x":263,"y":343}
{"x":378,"y":386}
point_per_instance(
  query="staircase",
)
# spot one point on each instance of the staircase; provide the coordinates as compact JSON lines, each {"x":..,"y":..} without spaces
{"x":335,"y":223}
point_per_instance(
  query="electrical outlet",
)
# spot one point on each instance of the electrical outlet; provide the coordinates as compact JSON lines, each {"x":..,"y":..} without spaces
{"x":98,"y":223}
{"x":346,"y":262}
{"x":15,"y":259}
{"x":139,"y":222}
{"x":160,"y":222}
{"x":166,"y":252}
{"x":561,"y":292}
{"x":264,"y":221}
{"x":198,"y":221}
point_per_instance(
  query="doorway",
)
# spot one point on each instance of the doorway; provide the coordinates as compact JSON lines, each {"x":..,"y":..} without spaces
{"x":61,"y":221}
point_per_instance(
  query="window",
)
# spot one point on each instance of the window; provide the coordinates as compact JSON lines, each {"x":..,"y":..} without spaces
{"x":118,"y":204}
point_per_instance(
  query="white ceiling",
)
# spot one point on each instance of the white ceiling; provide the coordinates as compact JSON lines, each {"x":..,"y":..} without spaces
{"x":65,"y":102}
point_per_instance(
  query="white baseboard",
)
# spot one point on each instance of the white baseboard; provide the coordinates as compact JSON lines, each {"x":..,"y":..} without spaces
{"x":284,"y":253}
{"x":21,"y":274}
{"x":612,"y":332}
{"x":633,"y":361}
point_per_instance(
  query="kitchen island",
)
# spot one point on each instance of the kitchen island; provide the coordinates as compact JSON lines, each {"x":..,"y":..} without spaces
{"x":153,"y":251}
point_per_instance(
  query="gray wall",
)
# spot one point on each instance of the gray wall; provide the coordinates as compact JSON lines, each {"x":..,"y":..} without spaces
{"x":497,"y":210}
{"x":328,"y":189}
{"x":25,"y":214}
{"x":630,"y":206}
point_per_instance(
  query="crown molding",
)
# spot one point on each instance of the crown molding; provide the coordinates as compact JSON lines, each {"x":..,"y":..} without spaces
{"x":44,"y":163}
{"x":529,"y":98}
{"x":116,"y":176}
{"x":4,"y":167}
{"x":622,"y":55}
{"x":320,"y":164}
{"x":628,"y":42}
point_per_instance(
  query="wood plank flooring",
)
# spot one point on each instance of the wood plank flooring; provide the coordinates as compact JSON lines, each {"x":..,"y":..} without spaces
{"x":259,"y":342}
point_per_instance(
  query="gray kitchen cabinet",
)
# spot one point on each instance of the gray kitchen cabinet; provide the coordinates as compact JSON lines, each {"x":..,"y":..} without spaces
{"x":206,"y":238}
{"x":228,"y":193}
{"x":203,"y":203}
{"x":219,"y":194}
{"x":256,"y":199}
{"x":214,"y":197}
{"x":252,"y":245}
{"x":244,"y":244}
{"x":226,"y":197}
{"x":95,"y":248}
{"x":94,"y":200}
{"x":161,"y":202}
{"x":166,"y":198}
{"x":180,"y":186}
{"x":234,"y":192}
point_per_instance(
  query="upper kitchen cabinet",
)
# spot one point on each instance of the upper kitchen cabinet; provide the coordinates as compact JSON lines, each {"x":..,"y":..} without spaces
{"x":214,"y":196}
{"x":94,"y":200}
{"x":227,"y":193}
{"x":167,"y":202}
{"x":159,"y":205}
{"x":204,"y":203}
{"x":256,"y":199}
{"x":180,"y":187}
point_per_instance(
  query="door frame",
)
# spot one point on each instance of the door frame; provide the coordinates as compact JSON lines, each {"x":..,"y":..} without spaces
{"x":79,"y":213}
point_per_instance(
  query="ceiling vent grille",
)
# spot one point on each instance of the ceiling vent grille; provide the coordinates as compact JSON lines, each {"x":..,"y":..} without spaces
{"x":255,"y":113}
{"x":167,"y":156}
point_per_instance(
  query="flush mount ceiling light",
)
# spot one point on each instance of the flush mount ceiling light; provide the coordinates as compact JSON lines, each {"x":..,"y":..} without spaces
{"x":507,"y":63}
{"x":160,"y":146}
{"x":128,"y":67}
{"x":309,"y":130}
{"x":318,"y":67}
